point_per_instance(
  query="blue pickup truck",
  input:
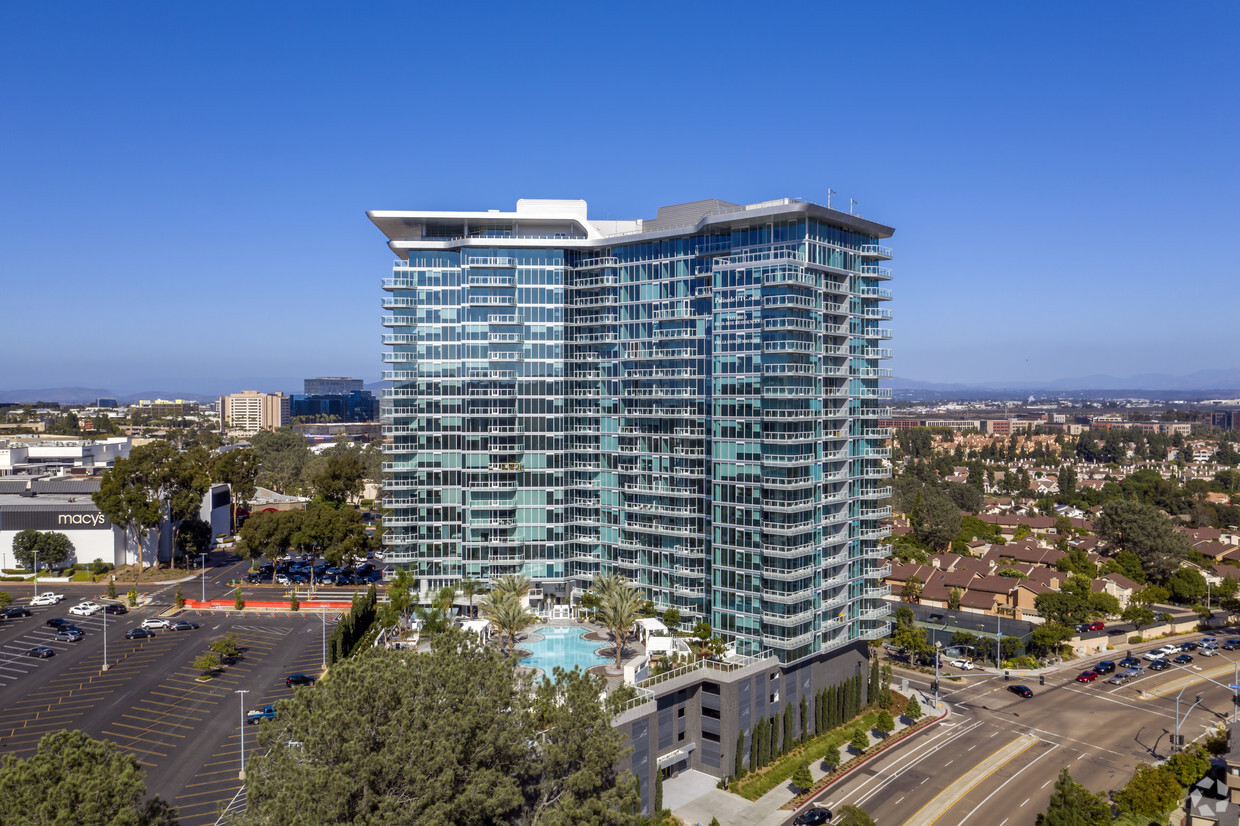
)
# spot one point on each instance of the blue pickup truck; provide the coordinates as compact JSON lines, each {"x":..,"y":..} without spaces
{"x":267,"y":712}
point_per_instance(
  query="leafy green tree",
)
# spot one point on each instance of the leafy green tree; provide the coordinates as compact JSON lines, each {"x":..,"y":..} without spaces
{"x":913,"y":709}
{"x":130,"y":493}
{"x":283,"y":456}
{"x":1071,"y":804}
{"x":269,"y":534}
{"x":1187,"y":767}
{"x":885,"y":724}
{"x":802,"y":779}
{"x":193,"y":537}
{"x":1143,"y":530}
{"x":1138,"y":615}
{"x":53,"y":548}
{"x":238,"y":468}
{"x":1067,"y":482}
{"x":1152,"y":792}
{"x":935,"y":519}
{"x":73,"y":779}
{"x":954,"y":597}
{"x":226,"y":647}
{"x":860,"y":741}
{"x":911,"y":592}
{"x":671,"y":618}
{"x":850,"y":815}
{"x":493,"y":752}
{"x":436,"y":617}
{"x":207,"y":663}
{"x":1064,"y":609}
{"x":830,"y":760}
{"x":338,"y":478}
{"x":1187,"y":586}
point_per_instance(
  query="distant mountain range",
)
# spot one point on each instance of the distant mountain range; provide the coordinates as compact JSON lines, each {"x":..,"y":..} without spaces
{"x":1201,"y":381}
{"x":1224,"y":382}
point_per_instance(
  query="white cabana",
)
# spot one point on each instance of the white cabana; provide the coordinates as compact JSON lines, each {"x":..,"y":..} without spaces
{"x":479,"y":627}
{"x":651,"y":627}
{"x":660,"y":646}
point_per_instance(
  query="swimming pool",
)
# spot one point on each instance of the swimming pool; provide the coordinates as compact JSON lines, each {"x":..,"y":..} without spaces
{"x":561,"y":646}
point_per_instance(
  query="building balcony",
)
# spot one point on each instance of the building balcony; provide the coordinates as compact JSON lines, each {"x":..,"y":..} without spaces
{"x":788,"y":483}
{"x":488,"y":262}
{"x":874,"y":332}
{"x":787,"y":575}
{"x":874,"y":251}
{"x":788,"y":598}
{"x":875,"y":292}
{"x":791,"y":323}
{"x":597,"y":263}
{"x":790,"y":621}
{"x":787,"y":528}
{"x":804,"y":302}
{"x":491,"y":281}
{"x":873,"y":271}
{"x":491,"y":300}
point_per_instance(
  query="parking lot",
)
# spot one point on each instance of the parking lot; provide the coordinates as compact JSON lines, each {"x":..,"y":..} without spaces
{"x":186,"y":733}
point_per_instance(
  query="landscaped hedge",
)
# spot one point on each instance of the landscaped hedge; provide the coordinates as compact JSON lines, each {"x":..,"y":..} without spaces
{"x":352,"y":627}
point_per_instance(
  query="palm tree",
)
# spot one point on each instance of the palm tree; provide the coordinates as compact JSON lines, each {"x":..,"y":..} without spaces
{"x":438,"y":615}
{"x":620,"y":607}
{"x":470,"y":587}
{"x":509,"y":616}
{"x":517,"y":584}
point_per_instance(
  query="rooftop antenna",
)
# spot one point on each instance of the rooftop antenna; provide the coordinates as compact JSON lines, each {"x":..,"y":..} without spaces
{"x":852,"y":205}
{"x":830,"y":192}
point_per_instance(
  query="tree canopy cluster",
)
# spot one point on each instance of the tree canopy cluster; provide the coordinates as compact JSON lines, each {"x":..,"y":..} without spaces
{"x":449,"y":736}
{"x":73,"y":779}
{"x":287,"y":465}
{"x":330,"y":529}
{"x":52,"y":547}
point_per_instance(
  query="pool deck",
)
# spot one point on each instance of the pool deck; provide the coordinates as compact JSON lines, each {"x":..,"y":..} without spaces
{"x":592,"y":633}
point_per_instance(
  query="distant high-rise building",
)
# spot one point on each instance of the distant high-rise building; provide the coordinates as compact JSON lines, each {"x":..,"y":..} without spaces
{"x":247,"y":412}
{"x":331,"y":386}
{"x":691,"y":402}
{"x":354,"y":406}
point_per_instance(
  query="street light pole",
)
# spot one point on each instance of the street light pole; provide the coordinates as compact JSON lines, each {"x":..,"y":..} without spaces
{"x":938,"y":653}
{"x":204,"y":576}
{"x":105,"y":638}
{"x":36,"y":572}
{"x":242,"y":692}
{"x":1178,"y":721}
{"x":323,"y":617}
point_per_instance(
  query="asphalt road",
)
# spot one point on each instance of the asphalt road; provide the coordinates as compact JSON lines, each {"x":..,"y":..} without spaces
{"x":993,"y":761}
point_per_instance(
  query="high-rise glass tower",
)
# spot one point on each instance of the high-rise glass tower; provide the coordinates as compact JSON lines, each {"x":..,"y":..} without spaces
{"x":690,"y":401}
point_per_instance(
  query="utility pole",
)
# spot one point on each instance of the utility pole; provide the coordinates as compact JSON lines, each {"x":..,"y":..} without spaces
{"x":36,"y":572}
{"x":938,"y":653}
{"x":204,"y":577}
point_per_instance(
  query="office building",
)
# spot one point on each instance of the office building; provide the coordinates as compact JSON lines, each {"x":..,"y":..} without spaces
{"x":691,"y":402}
{"x":247,"y":412}
{"x":353,"y":406}
{"x":331,"y":385}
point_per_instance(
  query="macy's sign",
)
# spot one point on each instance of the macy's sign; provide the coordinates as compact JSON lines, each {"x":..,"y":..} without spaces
{"x":90,"y":520}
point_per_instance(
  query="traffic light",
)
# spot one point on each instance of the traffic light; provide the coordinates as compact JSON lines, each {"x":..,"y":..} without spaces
{"x":1007,"y":675}
{"x":1042,"y":681}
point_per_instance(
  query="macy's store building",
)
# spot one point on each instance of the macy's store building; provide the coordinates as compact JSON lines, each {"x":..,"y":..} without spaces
{"x":64,"y":505}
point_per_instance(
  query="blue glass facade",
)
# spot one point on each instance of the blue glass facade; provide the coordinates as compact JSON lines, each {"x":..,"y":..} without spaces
{"x":692,"y":406}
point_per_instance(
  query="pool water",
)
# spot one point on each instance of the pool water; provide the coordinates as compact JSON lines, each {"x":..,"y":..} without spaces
{"x":563,"y":647}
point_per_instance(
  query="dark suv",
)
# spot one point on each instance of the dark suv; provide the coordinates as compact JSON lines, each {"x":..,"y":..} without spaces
{"x":298,"y":679}
{"x":1104,"y":667}
{"x":114,"y":608}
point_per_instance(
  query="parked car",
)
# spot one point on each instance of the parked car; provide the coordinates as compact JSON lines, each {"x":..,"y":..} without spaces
{"x":184,"y":625}
{"x":156,"y":622}
{"x":56,"y":622}
{"x":69,"y":635}
{"x":267,"y":712}
{"x":1104,"y":667}
{"x":282,"y":579}
{"x":1156,"y":654}
{"x":114,"y":608}
{"x":138,"y":633}
{"x":1118,"y":679}
{"x":1183,"y":659}
{"x":1021,"y":691}
{"x":86,"y":609}
{"x":1160,"y":664}
{"x":1097,"y":626}
{"x":1231,"y":644}
{"x":47,"y":598}
{"x":1087,"y":676}
{"x":1188,"y":646}
{"x":1135,"y":671}
{"x":1170,"y":649}
{"x":813,"y":817}
{"x":962,"y":663}
{"x":298,"y":679}
{"x":1082,"y":628}
{"x":1209,"y":652}
{"x":1129,"y":662}
{"x":15,"y":612}
{"x":41,"y":651}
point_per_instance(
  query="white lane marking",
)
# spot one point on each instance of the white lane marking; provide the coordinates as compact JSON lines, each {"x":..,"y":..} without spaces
{"x":1026,"y":801}
{"x":1005,"y":782}
{"x":906,"y":760}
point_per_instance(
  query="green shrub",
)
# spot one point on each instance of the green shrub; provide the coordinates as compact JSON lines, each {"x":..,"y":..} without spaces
{"x":133,"y":597}
{"x":112,"y":589}
{"x":1135,"y":639}
{"x":239,"y":601}
{"x":12,"y":579}
{"x":180,"y":598}
{"x":293,"y":604}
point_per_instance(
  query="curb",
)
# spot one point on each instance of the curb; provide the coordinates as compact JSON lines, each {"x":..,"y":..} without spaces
{"x":889,"y":743}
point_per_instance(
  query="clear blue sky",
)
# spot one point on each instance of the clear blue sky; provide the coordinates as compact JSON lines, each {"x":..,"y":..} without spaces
{"x":184,"y":186}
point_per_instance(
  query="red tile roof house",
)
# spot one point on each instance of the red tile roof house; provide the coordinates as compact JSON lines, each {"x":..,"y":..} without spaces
{"x":1218,"y":573}
{"x":1025,"y":594}
{"x":1024,"y":551}
{"x":937,"y":590}
{"x":1008,"y":523}
{"x":1217,"y":551}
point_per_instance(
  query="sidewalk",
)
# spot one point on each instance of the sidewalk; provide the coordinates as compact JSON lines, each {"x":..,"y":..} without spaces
{"x":693,"y":797}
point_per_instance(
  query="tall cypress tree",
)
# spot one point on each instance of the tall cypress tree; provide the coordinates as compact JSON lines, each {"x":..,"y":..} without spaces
{"x":755,"y":739}
{"x":789,"y":731}
{"x":804,"y":719}
{"x":740,"y":751}
{"x":872,"y":690}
